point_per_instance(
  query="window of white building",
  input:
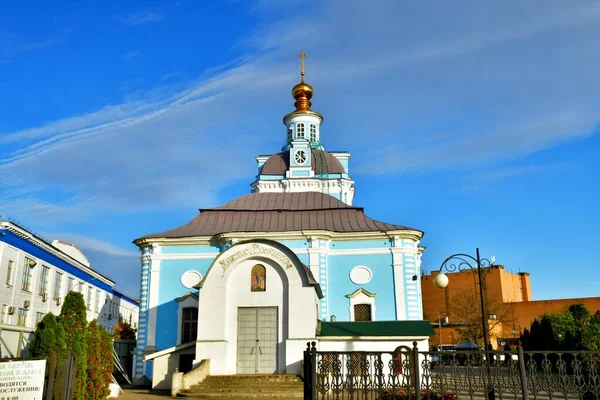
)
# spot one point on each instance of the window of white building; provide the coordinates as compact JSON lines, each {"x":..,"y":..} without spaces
{"x":38,"y":317}
{"x":44,"y":280}
{"x":9,"y":273}
{"x":26,"y":279}
{"x":97,"y":308}
{"x":70,"y":283}
{"x":313,"y":133}
{"x":89,"y":298}
{"x":57,"y":285}
{"x":300,"y":130}
{"x":189,"y":328}
{"x":3,"y":314}
{"x":187,"y":318}
{"x":22,"y":317}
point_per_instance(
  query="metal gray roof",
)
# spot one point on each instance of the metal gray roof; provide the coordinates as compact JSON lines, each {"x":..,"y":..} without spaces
{"x":279,"y":212}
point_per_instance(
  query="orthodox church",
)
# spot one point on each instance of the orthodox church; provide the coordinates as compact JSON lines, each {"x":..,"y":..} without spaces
{"x":244,"y":286}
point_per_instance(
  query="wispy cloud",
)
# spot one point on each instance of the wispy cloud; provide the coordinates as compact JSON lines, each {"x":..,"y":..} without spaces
{"x":141,"y":18}
{"x":12,"y":45}
{"x":181,"y":146}
{"x":510,"y":171}
{"x":130,"y":54}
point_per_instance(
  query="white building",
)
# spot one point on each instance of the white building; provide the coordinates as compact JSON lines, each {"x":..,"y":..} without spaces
{"x":35,"y":277}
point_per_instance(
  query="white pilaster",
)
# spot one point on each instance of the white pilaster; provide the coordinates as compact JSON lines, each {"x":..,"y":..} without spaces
{"x":153,"y":295}
{"x":398,"y":266}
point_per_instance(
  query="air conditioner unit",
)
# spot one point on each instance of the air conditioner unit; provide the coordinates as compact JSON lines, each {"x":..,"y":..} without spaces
{"x":26,"y":304}
{"x":45,"y":297}
{"x":58,"y":301}
{"x":32,"y":263}
{"x":11,"y":310}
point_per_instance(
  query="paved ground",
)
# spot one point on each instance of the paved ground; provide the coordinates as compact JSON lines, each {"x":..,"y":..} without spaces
{"x":143,"y":394}
{"x":146,"y":394}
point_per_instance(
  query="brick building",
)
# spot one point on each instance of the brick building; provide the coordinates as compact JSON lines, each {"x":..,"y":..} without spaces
{"x":508,"y":293}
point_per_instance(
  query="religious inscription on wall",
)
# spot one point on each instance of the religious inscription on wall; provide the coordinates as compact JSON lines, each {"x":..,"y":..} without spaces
{"x":22,"y":380}
{"x":257,"y":249}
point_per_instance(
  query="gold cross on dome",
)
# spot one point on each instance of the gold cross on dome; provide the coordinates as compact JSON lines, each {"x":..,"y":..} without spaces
{"x":302,"y":55}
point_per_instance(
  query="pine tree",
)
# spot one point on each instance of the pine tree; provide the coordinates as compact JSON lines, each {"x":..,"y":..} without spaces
{"x":73,"y":319}
{"x":49,"y":336}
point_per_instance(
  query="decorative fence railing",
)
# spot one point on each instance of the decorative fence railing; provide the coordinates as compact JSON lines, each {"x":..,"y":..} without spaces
{"x":408,"y":374}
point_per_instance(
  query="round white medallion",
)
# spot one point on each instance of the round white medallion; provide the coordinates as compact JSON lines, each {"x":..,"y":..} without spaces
{"x":361,"y":275}
{"x":190,"y":279}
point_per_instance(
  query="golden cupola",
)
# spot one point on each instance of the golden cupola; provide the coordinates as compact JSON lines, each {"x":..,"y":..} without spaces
{"x":302,"y":93}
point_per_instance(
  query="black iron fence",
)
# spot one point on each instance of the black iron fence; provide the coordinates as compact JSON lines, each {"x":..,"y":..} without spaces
{"x":408,"y":374}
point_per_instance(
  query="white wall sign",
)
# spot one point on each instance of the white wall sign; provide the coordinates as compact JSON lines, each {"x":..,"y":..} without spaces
{"x":22,"y":380}
{"x":257,"y":249}
{"x":360,"y":275}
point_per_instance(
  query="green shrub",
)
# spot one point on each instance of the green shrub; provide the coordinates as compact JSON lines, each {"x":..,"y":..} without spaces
{"x":49,"y":336}
{"x":100,"y":364}
{"x":73,"y":319}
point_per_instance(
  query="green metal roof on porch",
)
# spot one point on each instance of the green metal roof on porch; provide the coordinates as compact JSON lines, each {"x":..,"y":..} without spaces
{"x":376,"y":328}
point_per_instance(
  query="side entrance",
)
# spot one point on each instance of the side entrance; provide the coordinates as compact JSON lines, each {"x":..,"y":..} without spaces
{"x":257,"y":340}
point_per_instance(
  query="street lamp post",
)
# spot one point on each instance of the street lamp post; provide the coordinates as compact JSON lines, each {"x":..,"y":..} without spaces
{"x":445,"y":319}
{"x":460,"y":262}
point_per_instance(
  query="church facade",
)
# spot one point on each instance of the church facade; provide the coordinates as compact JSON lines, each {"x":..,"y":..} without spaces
{"x":248,"y":283}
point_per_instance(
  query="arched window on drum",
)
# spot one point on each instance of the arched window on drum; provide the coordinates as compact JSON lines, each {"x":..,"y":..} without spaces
{"x":258,"y":279}
{"x":313,"y":132}
{"x":300,"y":130}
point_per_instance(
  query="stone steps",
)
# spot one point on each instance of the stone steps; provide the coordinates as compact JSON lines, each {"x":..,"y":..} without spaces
{"x":248,"y":386}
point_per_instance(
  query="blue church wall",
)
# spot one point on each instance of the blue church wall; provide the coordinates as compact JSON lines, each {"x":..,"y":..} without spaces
{"x":362,"y":244}
{"x":300,"y":173}
{"x":344,"y":162}
{"x":169,"y":289}
{"x":295,"y":244}
{"x":382,"y":283}
{"x":166,"y":315}
{"x":189,"y":249}
{"x":304,"y":258}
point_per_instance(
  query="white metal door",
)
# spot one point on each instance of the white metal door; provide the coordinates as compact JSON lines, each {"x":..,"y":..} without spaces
{"x":257,"y":340}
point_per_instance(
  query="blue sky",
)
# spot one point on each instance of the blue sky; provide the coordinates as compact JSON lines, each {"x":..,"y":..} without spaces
{"x":472,"y":121}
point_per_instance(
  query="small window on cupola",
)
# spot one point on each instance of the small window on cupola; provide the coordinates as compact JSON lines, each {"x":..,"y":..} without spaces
{"x":313,"y":133}
{"x":300,"y":131}
{"x":290,"y":133}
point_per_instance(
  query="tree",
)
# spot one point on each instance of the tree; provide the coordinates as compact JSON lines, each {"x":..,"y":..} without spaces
{"x":123,"y":330}
{"x":580,"y":314}
{"x":590,"y":337}
{"x":100,"y":364}
{"x":465,"y":310}
{"x":73,"y":319}
{"x":49,"y":337}
{"x":574,"y":329}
